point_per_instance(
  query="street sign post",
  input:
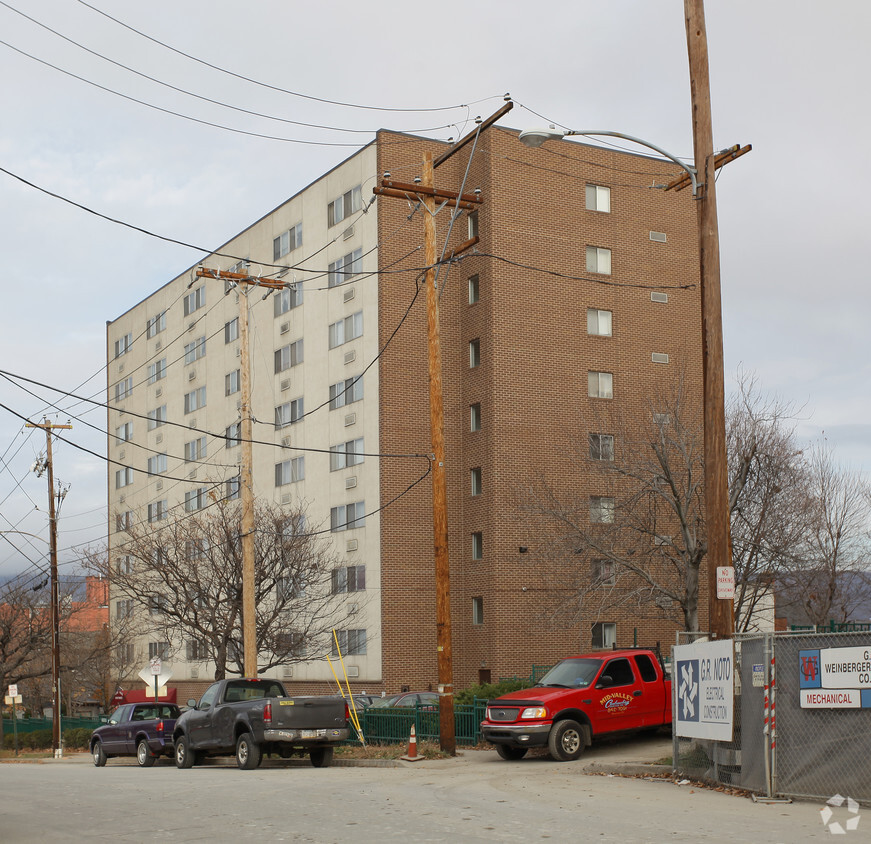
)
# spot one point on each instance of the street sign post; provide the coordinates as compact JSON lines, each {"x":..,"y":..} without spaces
{"x":156,"y":680}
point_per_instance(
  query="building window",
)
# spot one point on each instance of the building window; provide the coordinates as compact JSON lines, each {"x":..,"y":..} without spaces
{"x":195,"y":499}
{"x":601,"y":447}
{"x":123,"y":389}
{"x":124,"y":609}
{"x":345,"y":268}
{"x":288,"y":299}
{"x":195,"y":400}
{"x":124,"y":654}
{"x":289,"y":588}
{"x":156,"y":417}
{"x":287,"y":242}
{"x":475,"y":480}
{"x":348,"y":579}
{"x":157,"y":510}
{"x":194,"y":300}
{"x":158,"y":650}
{"x":475,"y":417}
{"x":347,"y":329}
{"x":233,"y":434}
{"x":473,"y":224}
{"x":604,"y":634}
{"x":123,"y":344}
{"x":196,"y":651}
{"x":598,"y":322}
{"x":290,"y":471}
{"x":348,"y":516}
{"x":600,"y":385}
{"x":194,"y":351}
{"x":232,"y":382}
{"x":346,"y":392}
{"x":156,"y":464}
{"x":289,"y":412}
{"x":231,"y":330}
{"x":124,"y":521}
{"x":351,"y":642}
{"x":124,"y":432}
{"x":346,"y":454}
{"x":599,"y":199}
{"x":123,"y":477}
{"x":604,"y":573}
{"x":474,"y":289}
{"x":233,"y":488}
{"x":156,"y":371}
{"x":474,"y":353}
{"x":195,"y":450}
{"x":155,"y":325}
{"x":157,"y":604}
{"x":598,"y":260}
{"x":288,"y":356}
{"x":347,"y":204}
{"x":477,"y":610}
{"x":478,"y":546}
{"x":602,"y":509}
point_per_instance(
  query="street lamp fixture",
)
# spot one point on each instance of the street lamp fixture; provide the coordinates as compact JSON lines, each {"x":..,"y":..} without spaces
{"x":536,"y":137}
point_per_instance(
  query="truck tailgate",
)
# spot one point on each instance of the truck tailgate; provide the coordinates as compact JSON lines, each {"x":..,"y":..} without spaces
{"x":303,"y":713}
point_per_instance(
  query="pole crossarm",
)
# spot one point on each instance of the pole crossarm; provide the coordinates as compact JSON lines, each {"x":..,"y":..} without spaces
{"x":438,"y":193}
{"x":419,"y":194}
{"x":242,"y":278}
{"x":473,"y":134}
{"x":720,"y":159}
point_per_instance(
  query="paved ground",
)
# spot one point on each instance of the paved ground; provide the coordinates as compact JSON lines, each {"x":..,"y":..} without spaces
{"x":476,"y":797}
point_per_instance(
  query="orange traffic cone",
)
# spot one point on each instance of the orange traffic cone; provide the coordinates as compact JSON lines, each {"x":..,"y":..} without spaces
{"x":412,"y":756}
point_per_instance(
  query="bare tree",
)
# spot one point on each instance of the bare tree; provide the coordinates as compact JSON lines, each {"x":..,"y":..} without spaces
{"x":639,"y":544}
{"x":830,"y":579}
{"x":184,"y":584}
{"x":768,"y":496}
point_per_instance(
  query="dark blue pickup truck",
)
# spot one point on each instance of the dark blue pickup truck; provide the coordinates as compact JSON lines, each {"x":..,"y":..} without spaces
{"x":143,"y":730}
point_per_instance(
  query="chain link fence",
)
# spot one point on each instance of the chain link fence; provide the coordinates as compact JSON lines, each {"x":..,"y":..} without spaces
{"x":779,"y":748}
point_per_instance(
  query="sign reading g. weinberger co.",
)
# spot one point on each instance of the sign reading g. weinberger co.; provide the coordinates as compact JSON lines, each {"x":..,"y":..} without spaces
{"x":835,"y":678}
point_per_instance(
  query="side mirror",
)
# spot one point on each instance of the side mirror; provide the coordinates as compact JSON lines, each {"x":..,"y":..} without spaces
{"x":604,"y":681}
{"x":192,"y":704}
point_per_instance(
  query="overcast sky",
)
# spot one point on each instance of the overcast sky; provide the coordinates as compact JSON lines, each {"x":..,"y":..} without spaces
{"x":790,"y":78}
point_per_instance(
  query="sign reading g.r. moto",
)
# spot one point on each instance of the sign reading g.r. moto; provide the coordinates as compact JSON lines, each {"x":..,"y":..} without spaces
{"x":705,"y":689}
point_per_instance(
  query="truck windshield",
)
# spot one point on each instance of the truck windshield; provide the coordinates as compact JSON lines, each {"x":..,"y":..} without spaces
{"x":572,"y":673}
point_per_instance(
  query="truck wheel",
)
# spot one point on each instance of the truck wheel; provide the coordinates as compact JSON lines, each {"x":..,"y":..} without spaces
{"x":566,"y":741}
{"x":510,"y":754}
{"x":144,"y":756}
{"x":321,"y":757}
{"x":248,"y":754}
{"x":99,"y":754}
{"x":184,"y":756}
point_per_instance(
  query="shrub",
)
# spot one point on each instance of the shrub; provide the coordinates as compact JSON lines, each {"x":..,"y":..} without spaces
{"x":77,"y":738}
{"x":488,"y":691}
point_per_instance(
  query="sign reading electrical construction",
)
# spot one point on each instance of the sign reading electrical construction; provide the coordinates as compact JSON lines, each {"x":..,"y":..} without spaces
{"x":703,"y":674}
{"x":835,"y":678}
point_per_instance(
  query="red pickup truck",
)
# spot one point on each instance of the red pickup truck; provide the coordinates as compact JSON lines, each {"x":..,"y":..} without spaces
{"x":581,"y":698}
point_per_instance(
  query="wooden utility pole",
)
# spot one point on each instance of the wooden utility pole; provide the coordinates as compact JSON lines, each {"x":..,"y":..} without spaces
{"x":246,"y":474}
{"x":721,"y":613}
{"x":55,"y":609}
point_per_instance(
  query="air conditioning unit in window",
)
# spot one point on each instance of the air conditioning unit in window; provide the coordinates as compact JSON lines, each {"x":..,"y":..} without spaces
{"x":352,"y":608}
{"x":658,"y":237}
{"x":350,"y":357}
{"x":351,"y":482}
{"x":285,"y":498}
{"x":238,"y":352}
{"x":659,"y":297}
{"x":120,"y":367}
{"x":353,"y":671}
{"x":192,"y":473}
{"x":287,"y":671}
{"x":285,"y":441}
{"x":284,"y":328}
{"x":122,"y":455}
{"x":159,"y":438}
{"x":192,"y":374}
{"x":285,"y":384}
{"x":350,"y":293}
{"x":157,"y":346}
{"x":159,"y":486}
{"x":195,"y":672}
{"x":350,"y":419}
{"x":158,"y":392}
{"x":121,"y":499}
{"x":192,"y":423}
{"x":192,"y":325}
{"x":658,"y":357}
{"x":348,"y":233}
{"x":351,"y":545}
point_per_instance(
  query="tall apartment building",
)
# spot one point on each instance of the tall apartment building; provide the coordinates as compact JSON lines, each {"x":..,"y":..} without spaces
{"x":581,"y":294}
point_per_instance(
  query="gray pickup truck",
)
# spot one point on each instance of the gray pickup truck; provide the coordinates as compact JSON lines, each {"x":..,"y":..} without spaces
{"x":250,"y":717}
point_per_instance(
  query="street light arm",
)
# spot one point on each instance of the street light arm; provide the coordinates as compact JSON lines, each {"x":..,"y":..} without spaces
{"x":536,"y":137}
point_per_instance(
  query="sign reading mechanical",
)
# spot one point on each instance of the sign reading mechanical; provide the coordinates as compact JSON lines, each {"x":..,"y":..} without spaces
{"x":703,"y":674}
{"x":835,"y":678}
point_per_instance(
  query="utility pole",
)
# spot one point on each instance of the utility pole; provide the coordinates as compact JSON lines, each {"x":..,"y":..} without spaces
{"x":55,"y":614}
{"x":246,"y":477}
{"x":721,"y":612}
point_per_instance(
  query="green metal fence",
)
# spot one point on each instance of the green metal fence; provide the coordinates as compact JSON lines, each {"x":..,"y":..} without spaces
{"x":30,"y":725}
{"x":832,"y":627}
{"x":393,"y":725}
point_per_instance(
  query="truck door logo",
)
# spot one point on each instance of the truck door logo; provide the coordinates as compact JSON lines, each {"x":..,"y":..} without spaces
{"x":616,"y":702}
